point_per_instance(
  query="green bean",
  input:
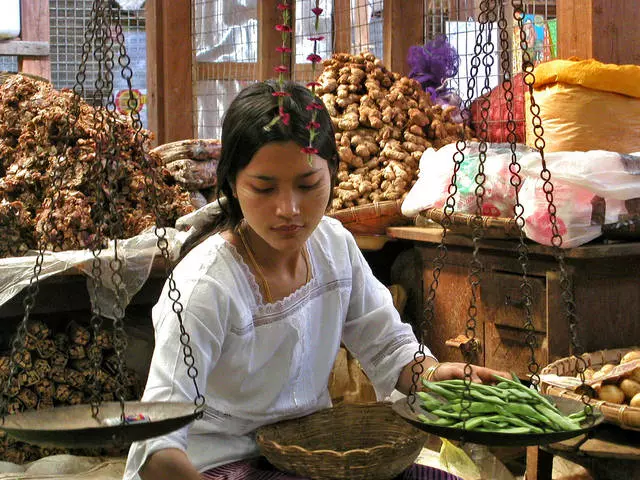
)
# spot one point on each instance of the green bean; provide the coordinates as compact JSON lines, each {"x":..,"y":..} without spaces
{"x":564,"y":422}
{"x":443,"y":392}
{"x":513,"y":430}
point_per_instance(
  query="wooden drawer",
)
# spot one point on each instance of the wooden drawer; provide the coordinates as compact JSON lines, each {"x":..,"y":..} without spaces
{"x":505,"y":348}
{"x":502,"y":301}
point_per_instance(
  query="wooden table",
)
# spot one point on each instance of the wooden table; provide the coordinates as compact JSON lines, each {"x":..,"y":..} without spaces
{"x":610,"y":454}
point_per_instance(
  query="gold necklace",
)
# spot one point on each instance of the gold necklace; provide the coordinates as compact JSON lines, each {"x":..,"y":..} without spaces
{"x":258,"y":270}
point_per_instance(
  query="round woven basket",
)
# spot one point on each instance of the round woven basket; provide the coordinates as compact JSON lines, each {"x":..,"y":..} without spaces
{"x":462,"y":223}
{"x":365,"y":441}
{"x":192,"y":149}
{"x":623,"y":415}
{"x":372,"y":218}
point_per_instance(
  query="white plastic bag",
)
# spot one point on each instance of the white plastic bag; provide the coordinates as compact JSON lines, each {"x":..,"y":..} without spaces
{"x":436,"y":169}
{"x":604,"y":173}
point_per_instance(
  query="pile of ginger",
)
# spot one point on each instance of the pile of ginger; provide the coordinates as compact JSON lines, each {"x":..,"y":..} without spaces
{"x":383,"y":123}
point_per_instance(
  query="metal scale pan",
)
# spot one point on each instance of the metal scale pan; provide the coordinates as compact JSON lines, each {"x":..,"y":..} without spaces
{"x":566,"y":405}
{"x":75,"y":426}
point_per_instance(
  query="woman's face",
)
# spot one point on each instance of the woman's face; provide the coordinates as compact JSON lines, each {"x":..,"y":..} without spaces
{"x":282,"y":196}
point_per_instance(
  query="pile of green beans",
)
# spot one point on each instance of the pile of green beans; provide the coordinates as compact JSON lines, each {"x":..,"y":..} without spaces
{"x":506,"y":407}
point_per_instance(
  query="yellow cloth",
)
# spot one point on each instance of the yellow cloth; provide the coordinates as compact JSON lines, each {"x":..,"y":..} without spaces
{"x":622,"y":79}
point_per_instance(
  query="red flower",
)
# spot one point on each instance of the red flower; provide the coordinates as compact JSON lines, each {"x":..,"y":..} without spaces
{"x":283,"y":49}
{"x":281,"y":69}
{"x":284,"y":6}
{"x":313,"y":124}
{"x":281,"y":94}
{"x":314,"y":106}
{"x":284,"y":116}
{"x":309,"y":150}
{"x":317,"y":11}
{"x":283,"y":28}
{"x":316,"y":39}
{"x":313,"y":84}
{"x":314,"y":58}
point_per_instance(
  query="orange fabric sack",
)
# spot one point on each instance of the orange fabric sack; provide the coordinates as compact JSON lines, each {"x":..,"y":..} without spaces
{"x":587,"y":105}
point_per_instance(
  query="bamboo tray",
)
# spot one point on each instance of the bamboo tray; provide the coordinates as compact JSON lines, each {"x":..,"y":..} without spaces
{"x":462,"y":223}
{"x":373,"y":218}
{"x":623,"y":415}
{"x":201,"y":149}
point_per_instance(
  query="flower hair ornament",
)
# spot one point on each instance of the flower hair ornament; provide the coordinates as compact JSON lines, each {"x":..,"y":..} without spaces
{"x":285,"y":29}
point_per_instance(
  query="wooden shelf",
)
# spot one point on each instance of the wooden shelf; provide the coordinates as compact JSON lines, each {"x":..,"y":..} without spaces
{"x":434,"y":235}
{"x":22,"y":48}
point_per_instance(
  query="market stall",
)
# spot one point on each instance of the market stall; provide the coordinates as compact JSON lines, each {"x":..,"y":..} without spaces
{"x":88,"y":192}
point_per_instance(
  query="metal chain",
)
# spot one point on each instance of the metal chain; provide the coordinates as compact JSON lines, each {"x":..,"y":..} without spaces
{"x":545,"y":175}
{"x":160,"y":230}
{"x":526,"y":290}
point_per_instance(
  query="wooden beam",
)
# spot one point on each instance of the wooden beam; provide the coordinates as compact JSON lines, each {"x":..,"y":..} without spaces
{"x":269,"y":38}
{"x":34,"y":27}
{"x":226,"y":71}
{"x":606,"y":30}
{"x":402,"y":28}
{"x":23,"y":48}
{"x":169,"y":70}
{"x":342,"y":26}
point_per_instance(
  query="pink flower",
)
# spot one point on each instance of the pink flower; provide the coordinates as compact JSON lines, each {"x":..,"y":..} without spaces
{"x":284,"y":6}
{"x":317,"y":11}
{"x":314,"y":58}
{"x":281,"y":94}
{"x":281,"y":69}
{"x":313,"y":124}
{"x":314,"y":106}
{"x":313,"y":84}
{"x":309,"y":150}
{"x":284,"y":116}
{"x":283,"y":49}
{"x":283,"y":28}
{"x":316,"y":39}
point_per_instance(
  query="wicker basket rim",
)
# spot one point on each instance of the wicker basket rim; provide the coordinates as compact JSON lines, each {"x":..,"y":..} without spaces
{"x":626,"y":416}
{"x":390,"y":208}
{"x":460,"y":218}
{"x":412,"y":433}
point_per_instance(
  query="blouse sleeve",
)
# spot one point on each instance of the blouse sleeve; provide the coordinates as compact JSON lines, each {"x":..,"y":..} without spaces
{"x":373,"y":331}
{"x":204,"y":318}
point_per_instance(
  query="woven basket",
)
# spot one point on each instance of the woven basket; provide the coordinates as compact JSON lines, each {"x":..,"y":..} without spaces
{"x":4,"y":76}
{"x":462,"y":223}
{"x":373,"y":218}
{"x":365,"y":441}
{"x":202,"y":149}
{"x":623,"y":415}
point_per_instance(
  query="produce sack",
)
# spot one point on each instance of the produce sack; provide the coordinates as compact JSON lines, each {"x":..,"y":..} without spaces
{"x":587,"y":105}
{"x":497,"y":130}
{"x":590,"y":190}
{"x":436,"y":167}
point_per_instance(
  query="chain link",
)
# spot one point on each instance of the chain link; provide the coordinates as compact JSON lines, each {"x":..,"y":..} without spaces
{"x":545,"y":175}
{"x":526,"y":290}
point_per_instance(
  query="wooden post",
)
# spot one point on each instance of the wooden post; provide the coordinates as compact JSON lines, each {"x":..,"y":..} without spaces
{"x":342,"y":26}
{"x":269,"y":38}
{"x":403,"y":27}
{"x":169,"y":70}
{"x":606,"y":30}
{"x":34,"y":26}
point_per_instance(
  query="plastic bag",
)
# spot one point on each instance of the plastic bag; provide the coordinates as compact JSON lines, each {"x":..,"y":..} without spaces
{"x":604,"y":173}
{"x":434,"y":178}
{"x":590,"y":189}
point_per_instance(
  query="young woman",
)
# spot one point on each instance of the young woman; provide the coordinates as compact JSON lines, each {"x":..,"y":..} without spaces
{"x":268,"y":298}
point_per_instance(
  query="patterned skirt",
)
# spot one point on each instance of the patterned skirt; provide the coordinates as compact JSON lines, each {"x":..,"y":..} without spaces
{"x":260,"y":469}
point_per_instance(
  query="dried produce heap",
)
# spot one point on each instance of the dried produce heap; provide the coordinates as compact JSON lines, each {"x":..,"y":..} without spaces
{"x":35,"y":141}
{"x":383,"y":123}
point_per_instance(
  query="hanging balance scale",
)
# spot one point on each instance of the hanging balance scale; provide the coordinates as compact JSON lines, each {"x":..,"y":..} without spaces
{"x":116,"y":423}
{"x":461,"y":424}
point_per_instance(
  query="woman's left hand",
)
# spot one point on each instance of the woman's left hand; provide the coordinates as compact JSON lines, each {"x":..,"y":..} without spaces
{"x":451,"y":370}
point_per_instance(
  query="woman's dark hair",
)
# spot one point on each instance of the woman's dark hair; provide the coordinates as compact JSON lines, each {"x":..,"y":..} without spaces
{"x":245,"y":130}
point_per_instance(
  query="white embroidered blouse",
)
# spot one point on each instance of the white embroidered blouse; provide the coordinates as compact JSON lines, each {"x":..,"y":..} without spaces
{"x":260,"y":363}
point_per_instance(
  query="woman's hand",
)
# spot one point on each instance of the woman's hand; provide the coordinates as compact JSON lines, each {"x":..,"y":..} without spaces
{"x":451,"y":370}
